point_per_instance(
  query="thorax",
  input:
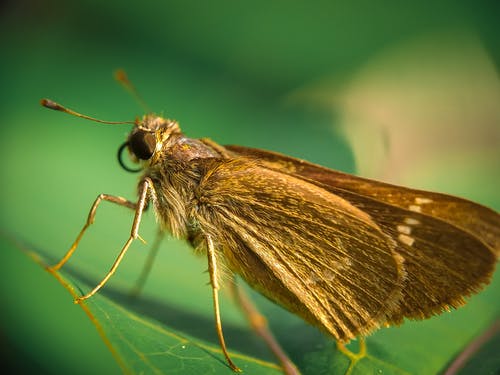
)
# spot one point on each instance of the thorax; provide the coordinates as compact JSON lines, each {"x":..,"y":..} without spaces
{"x":176,"y":174}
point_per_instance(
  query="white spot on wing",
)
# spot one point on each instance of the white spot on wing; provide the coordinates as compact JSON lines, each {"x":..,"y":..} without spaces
{"x":405,"y":229}
{"x":410,"y":221}
{"x":422,"y":200}
{"x":407,"y":240}
{"x":415,"y":208}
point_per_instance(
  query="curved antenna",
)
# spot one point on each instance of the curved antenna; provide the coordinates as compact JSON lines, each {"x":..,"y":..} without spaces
{"x":57,"y":107}
{"x":120,"y":160}
{"x":122,"y":78}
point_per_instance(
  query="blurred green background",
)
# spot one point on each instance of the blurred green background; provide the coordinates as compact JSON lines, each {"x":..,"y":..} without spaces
{"x":405,"y":92}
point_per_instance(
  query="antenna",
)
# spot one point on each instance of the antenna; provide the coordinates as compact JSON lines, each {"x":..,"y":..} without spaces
{"x":122,"y":78}
{"x":57,"y":107}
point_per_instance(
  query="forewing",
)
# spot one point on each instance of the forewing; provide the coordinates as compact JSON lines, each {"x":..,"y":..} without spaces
{"x":449,"y":244}
{"x":301,"y":246}
{"x":443,"y":263}
{"x":479,"y":221}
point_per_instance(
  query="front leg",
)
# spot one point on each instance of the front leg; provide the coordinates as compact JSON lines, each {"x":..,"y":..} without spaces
{"x":146,"y":186}
{"x":90,"y":220}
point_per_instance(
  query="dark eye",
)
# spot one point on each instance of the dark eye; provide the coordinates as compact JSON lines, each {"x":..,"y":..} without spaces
{"x":142,"y":144}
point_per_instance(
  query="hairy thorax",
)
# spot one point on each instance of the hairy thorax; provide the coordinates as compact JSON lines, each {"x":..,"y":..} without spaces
{"x":176,"y":175}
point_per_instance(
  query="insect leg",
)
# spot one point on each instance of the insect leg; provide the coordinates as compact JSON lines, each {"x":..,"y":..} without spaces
{"x":259,"y":323}
{"x":212,"y":269}
{"x":90,"y":220}
{"x":139,"y":208}
{"x":148,"y":265}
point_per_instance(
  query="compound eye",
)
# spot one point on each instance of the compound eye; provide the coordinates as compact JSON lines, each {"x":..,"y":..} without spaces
{"x":142,"y":144}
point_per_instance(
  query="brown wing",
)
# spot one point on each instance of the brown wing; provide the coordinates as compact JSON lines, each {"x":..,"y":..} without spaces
{"x":477,"y":220}
{"x":301,"y":246}
{"x":449,"y":244}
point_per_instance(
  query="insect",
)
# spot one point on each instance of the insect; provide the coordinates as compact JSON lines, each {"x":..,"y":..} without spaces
{"x":346,"y":254}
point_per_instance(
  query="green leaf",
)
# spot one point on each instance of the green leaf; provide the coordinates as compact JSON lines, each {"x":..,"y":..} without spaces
{"x":153,"y":336}
{"x":142,"y":345}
